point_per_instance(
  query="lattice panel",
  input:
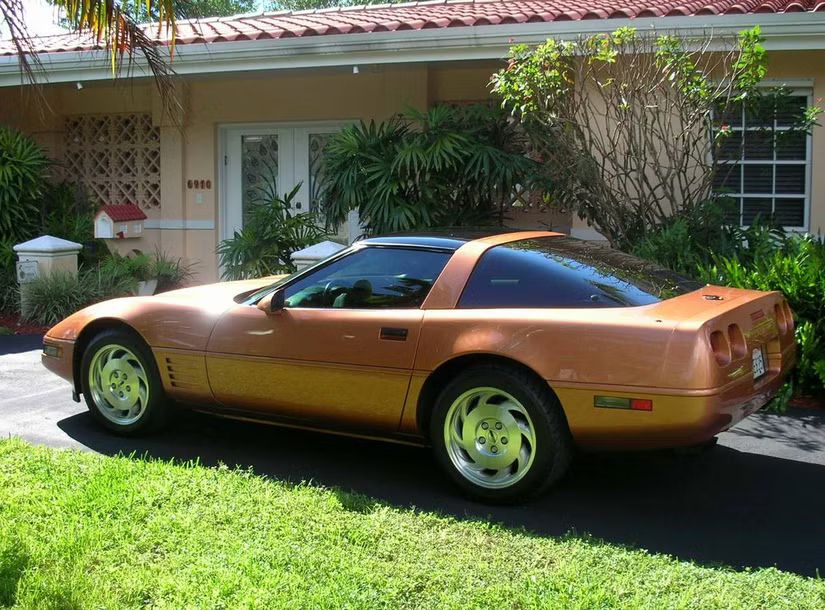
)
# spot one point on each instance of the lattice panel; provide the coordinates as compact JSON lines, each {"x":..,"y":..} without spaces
{"x":116,"y":157}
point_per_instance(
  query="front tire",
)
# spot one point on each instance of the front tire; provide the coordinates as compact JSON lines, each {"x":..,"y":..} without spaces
{"x":121,"y":384}
{"x":500,"y":434}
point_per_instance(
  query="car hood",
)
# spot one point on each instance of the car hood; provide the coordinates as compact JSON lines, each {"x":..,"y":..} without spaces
{"x":220,"y":291}
{"x":180,"y":319}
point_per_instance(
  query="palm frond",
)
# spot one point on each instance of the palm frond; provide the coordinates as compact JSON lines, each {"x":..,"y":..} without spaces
{"x":106,"y":22}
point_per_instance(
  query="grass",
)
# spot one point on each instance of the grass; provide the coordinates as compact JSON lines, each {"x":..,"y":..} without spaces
{"x":85,"y":531}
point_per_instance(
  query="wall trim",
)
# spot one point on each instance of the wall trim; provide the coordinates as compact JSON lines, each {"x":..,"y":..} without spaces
{"x":782,"y":31}
{"x":179,"y":224}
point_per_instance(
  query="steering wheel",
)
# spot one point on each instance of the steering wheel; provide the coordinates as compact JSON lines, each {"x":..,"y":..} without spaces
{"x":331,"y":292}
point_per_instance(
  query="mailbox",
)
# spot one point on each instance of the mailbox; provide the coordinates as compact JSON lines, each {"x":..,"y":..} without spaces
{"x":119,"y":222}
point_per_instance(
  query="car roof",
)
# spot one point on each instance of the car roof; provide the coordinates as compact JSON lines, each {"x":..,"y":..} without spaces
{"x":445,"y":239}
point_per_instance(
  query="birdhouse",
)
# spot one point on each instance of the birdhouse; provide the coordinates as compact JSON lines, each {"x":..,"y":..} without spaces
{"x":119,"y":222}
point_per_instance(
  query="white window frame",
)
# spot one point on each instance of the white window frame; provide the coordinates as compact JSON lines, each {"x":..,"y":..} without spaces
{"x":798,"y":91}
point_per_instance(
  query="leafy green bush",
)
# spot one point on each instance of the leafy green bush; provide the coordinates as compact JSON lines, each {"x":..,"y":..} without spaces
{"x":270,"y":235}
{"x":9,"y":296}
{"x":117,"y":269}
{"x":170,"y":272}
{"x":23,"y":167}
{"x":796,"y":267}
{"x":449,"y":166}
{"x":50,"y":298}
{"x":67,"y":213}
{"x":634,"y":127}
{"x":693,"y":238}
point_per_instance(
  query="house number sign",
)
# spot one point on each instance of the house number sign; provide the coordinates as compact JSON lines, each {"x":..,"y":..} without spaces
{"x":27,"y":272}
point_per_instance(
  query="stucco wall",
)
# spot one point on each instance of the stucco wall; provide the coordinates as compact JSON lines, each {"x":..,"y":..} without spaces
{"x":284,"y":96}
{"x":806,"y":69}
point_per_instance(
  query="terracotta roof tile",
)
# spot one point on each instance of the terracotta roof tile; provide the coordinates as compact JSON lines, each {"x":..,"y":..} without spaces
{"x":123,"y":213}
{"x":425,"y":15}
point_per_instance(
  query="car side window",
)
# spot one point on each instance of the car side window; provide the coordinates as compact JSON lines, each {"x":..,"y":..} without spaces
{"x":370,"y":278}
{"x":561,"y":272}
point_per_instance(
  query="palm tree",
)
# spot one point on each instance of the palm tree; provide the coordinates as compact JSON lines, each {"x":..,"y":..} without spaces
{"x":112,"y":27}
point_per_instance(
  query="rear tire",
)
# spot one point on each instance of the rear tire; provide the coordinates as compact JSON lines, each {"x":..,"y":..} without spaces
{"x":500,"y":434}
{"x":121,"y":384}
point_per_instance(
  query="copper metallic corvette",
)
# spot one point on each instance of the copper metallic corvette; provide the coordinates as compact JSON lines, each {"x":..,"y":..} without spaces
{"x":503,"y":352}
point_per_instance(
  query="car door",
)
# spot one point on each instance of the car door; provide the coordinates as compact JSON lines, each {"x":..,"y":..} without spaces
{"x":342,"y":349}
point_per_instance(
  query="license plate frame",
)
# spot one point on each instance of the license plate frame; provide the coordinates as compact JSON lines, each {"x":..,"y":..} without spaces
{"x":758,"y":366}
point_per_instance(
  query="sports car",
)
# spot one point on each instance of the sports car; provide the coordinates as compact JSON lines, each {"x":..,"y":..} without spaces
{"x":504,"y":352}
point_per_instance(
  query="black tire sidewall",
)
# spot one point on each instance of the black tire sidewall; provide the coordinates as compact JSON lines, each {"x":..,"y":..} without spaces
{"x":154,"y":415}
{"x":552,"y":437}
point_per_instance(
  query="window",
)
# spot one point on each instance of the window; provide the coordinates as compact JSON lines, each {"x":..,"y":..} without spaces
{"x":370,"y":278}
{"x":564,"y":272}
{"x":764,"y":165}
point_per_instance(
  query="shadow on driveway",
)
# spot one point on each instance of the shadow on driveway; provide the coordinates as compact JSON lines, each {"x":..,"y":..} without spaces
{"x":16,"y":344}
{"x":723,"y":506}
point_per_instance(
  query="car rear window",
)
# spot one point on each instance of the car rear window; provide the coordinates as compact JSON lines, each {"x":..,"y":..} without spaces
{"x":564,"y":272}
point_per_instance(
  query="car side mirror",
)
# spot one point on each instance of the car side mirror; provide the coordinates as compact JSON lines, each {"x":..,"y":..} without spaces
{"x":273,"y":303}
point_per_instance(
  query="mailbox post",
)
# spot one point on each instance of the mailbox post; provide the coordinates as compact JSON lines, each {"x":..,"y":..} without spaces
{"x":43,"y":256}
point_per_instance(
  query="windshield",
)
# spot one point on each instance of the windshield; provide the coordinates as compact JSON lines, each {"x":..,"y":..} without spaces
{"x":566,"y":272}
{"x":254,"y":297}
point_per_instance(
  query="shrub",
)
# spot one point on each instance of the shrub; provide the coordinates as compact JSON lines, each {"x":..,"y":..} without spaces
{"x":170,"y":272}
{"x":120,"y":270}
{"x":50,"y":298}
{"x":631,"y":125}
{"x":449,"y":166}
{"x":67,"y":212}
{"x":23,"y":166}
{"x":9,"y":295}
{"x":693,"y":238}
{"x":796,"y":267}
{"x":271,"y":233}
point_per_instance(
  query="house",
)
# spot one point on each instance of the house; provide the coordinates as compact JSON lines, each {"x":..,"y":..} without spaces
{"x":262,"y":93}
{"x":121,"y":221}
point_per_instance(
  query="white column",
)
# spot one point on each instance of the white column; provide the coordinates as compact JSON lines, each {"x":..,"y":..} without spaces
{"x":309,"y":256}
{"x":42,"y":256}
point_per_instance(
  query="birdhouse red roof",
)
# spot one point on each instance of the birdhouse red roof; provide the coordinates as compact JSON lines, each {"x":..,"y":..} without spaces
{"x":123,"y":213}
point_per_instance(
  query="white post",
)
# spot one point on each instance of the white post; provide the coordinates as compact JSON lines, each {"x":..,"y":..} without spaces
{"x":43,"y":256}
{"x":309,"y":256}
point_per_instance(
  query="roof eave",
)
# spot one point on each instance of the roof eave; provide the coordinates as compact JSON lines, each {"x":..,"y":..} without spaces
{"x":785,"y":31}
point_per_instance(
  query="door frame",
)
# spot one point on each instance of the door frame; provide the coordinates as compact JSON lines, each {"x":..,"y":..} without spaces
{"x":226,"y":183}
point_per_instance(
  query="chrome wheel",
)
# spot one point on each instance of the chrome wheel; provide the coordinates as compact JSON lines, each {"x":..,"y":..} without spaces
{"x":489,"y":437}
{"x":119,"y":384}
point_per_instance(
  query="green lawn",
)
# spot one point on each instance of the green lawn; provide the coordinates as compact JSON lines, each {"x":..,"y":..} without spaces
{"x":84,"y":531}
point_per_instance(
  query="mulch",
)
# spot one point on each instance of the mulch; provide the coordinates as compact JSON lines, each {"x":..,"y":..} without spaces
{"x":807,"y":402}
{"x":21,"y":327}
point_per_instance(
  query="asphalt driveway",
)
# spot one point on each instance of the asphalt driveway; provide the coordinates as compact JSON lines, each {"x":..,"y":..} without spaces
{"x":757,"y":499}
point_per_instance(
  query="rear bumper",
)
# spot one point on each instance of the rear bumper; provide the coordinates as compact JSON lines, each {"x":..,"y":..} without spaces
{"x":678,"y":419}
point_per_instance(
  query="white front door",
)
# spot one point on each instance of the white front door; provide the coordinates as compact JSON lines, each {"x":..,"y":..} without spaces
{"x":263,"y":161}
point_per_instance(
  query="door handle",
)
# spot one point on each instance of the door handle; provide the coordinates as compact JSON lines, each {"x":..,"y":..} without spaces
{"x":393,"y":334}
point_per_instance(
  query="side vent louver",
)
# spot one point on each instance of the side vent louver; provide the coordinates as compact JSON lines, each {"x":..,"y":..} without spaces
{"x":184,"y":373}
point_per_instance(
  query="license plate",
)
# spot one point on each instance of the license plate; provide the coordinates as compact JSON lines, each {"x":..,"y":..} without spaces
{"x":759,"y":367}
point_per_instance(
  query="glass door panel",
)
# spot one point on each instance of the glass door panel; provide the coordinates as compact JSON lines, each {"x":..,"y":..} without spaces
{"x":259,"y":170}
{"x":261,"y":162}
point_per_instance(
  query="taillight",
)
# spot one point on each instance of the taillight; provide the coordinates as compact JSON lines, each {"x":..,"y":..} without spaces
{"x":619,"y":402}
{"x":721,"y":347}
{"x":737,"y":342}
